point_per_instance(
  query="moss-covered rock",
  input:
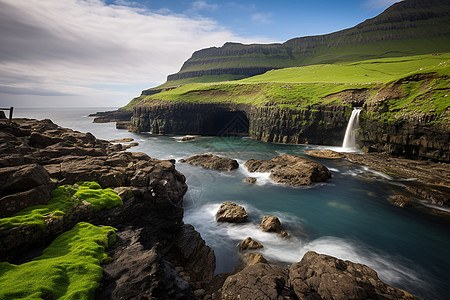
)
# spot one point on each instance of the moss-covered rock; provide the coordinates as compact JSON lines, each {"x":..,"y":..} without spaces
{"x":68,"y":268}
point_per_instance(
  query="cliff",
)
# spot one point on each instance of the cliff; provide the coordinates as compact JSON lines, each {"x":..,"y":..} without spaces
{"x":408,"y":27}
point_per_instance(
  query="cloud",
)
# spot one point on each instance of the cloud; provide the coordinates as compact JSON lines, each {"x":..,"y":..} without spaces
{"x":203,"y":5}
{"x":379,"y":4}
{"x":77,"y":47}
{"x":262,"y":18}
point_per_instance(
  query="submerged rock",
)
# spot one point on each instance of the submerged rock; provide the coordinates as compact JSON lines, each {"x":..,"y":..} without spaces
{"x":400,"y":200}
{"x":326,"y":153}
{"x":273,"y":224}
{"x":290,"y":169}
{"x":251,"y":180}
{"x":210,"y":161}
{"x":231,"y":212}
{"x":250,"y":244}
{"x":187,"y":138}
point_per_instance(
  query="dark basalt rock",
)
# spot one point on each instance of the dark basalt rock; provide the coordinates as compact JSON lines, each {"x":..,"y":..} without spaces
{"x":210,"y":161}
{"x":231,"y":212}
{"x":290,"y":169}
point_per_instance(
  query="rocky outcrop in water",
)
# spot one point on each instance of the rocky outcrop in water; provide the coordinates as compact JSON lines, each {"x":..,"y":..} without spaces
{"x":273,"y":224}
{"x":152,"y":239}
{"x":250,"y":244}
{"x":290,"y":169}
{"x":231,"y":212}
{"x":211,"y":161}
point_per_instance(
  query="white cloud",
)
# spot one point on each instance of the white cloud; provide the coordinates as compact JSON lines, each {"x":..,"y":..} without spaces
{"x":87,"y":49}
{"x":380,"y":4}
{"x":262,"y":18}
{"x":203,"y":5}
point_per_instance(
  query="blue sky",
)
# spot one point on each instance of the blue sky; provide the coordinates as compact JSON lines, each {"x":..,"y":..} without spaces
{"x":105,"y":52}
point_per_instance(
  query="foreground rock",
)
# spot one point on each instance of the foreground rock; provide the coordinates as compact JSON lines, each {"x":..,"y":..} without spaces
{"x":319,"y":276}
{"x":290,"y":169}
{"x":326,"y":153}
{"x":316,"y":276}
{"x":251,"y":180}
{"x":273,"y":224}
{"x":152,"y":238}
{"x":231,"y":212}
{"x":210,"y":161}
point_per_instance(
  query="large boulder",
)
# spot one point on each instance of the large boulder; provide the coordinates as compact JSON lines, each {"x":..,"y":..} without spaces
{"x":290,"y":169}
{"x":273,"y":224}
{"x":319,"y":276}
{"x":211,"y":161}
{"x":231,"y":212}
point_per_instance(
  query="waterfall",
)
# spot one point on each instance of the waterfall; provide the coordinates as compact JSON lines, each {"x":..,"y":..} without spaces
{"x":350,"y":132}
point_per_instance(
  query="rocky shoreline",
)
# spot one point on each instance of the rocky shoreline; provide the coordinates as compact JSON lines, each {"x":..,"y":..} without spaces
{"x":156,"y":256}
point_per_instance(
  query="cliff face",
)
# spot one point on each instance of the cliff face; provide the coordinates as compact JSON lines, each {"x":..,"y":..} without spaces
{"x":318,"y":125}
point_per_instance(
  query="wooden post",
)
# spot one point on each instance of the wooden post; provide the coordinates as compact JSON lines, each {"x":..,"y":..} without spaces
{"x":10,"y":114}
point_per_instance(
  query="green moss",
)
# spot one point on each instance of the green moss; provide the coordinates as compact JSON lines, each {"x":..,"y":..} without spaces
{"x":69,"y":268}
{"x":63,"y":199}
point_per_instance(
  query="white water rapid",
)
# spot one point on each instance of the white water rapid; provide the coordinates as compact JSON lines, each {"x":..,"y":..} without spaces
{"x":350,"y":132}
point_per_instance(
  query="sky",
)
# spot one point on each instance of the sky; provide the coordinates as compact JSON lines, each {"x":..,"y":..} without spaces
{"x":102,"y":53}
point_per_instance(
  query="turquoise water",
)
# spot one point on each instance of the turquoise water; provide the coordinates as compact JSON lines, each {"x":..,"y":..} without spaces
{"x":348,"y":217}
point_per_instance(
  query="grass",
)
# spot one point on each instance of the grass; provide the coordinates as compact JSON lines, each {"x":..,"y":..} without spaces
{"x":305,"y":86}
{"x":68,"y":269}
{"x":63,"y":199}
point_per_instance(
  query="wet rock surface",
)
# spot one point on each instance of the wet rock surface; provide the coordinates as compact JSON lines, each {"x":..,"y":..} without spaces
{"x":433,"y":179}
{"x":231,"y":212}
{"x":290,"y":169}
{"x":326,"y":153}
{"x":250,"y":244}
{"x":319,"y":276}
{"x":211,"y":161}
{"x":400,"y":200}
{"x":273,"y":224}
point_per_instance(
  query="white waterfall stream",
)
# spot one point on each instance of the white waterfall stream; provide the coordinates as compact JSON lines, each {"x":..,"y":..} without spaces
{"x":350,"y":132}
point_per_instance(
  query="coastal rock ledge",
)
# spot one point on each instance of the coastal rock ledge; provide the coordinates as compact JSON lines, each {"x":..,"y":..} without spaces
{"x":290,"y":169}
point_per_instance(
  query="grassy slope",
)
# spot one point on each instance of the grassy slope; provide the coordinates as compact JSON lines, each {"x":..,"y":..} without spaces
{"x":303,"y":86}
{"x":69,"y":268}
{"x":63,"y":199}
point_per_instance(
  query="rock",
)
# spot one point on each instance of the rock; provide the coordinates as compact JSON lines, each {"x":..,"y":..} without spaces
{"x":210,"y":161}
{"x":259,"y":281}
{"x":199,"y":293}
{"x":231,"y":212}
{"x":326,"y":153}
{"x":249,"y":259}
{"x":198,"y":260}
{"x":400,"y":200}
{"x":273,"y":224}
{"x":251,"y":180}
{"x":430,"y":194}
{"x":290,"y":169}
{"x":250,"y":244}
{"x":319,"y":276}
{"x":138,"y":272}
{"x":187,"y":138}
{"x":124,"y":140}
